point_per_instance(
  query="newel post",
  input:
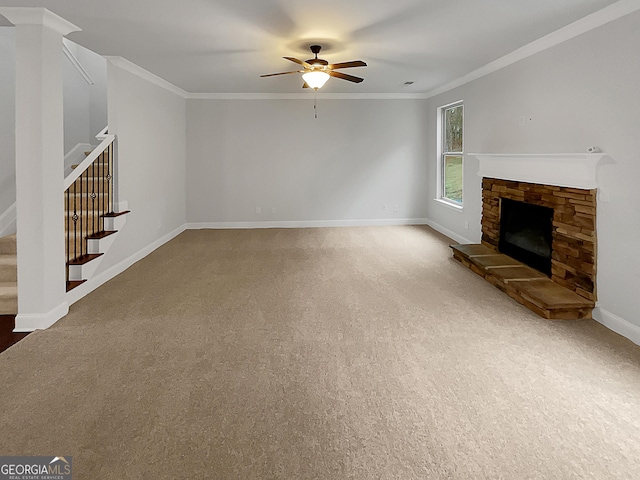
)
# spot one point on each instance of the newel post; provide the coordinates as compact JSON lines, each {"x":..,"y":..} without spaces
{"x":39,"y":165}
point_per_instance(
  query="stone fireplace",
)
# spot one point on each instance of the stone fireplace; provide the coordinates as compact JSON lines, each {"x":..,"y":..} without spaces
{"x":565,"y":187}
{"x":573,"y":244}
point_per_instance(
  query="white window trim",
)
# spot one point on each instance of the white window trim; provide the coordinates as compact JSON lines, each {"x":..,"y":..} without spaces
{"x":439,"y":163}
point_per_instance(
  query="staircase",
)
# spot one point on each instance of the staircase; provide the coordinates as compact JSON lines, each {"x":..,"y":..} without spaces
{"x":90,"y":221}
{"x":8,"y":276}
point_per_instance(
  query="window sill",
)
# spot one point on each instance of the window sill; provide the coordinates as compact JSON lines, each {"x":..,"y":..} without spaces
{"x":453,"y":206}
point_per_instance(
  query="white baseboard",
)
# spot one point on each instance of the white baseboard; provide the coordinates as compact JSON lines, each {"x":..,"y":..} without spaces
{"x":8,"y":221}
{"x":90,"y":285}
{"x":306,"y":223}
{"x":40,"y":321}
{"x":448,"y":233}
{"x":617,"y":324}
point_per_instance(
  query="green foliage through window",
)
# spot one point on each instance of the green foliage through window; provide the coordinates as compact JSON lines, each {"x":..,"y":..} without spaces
{"x":453,"y":178}
{"x":453,"y":129}
{"x":452,"y":153}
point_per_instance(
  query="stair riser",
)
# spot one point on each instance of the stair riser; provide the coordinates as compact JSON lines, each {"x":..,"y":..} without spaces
{"x":87,"y":268}
{"x":8,"y":244}
{"x":83,"y":272}
{"x":91,"y":245}
{"x":89,"y":224}
{"x":82,"y":203}
{"x":8,"y":306}
{"x":99,"y":166}
{"x":115,"y":223}
{"x":78,"y":195}
{"x":8,"y":274}
{"x":77,"y":252}
{"x":100,"y":245}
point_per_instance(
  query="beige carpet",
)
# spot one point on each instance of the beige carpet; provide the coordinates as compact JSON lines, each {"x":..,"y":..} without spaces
{"x":362,"y":353}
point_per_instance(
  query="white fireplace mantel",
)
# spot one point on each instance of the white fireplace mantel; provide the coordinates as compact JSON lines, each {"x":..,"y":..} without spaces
{"x":577,"y":170}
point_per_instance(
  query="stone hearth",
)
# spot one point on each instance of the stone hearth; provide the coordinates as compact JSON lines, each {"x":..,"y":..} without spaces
{"x":565,"y":183}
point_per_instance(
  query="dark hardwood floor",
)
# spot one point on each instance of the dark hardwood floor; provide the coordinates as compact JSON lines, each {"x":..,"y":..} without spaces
{"x":7,"y":337}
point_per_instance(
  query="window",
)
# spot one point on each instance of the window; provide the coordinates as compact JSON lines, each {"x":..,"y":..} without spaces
{"x":451,"y":148}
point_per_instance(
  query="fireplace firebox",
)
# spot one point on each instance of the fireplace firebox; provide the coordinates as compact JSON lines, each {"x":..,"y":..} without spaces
{"x":526,"y":233}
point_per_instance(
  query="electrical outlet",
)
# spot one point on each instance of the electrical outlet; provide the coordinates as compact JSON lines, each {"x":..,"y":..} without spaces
{"x":273,"y":209}
{"x":396,"y":208}
{"x":466,"y":224}
{"x":258,"y":210}
{"x":384,"y":207}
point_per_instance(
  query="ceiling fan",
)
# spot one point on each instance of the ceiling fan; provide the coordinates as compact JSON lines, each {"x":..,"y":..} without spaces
{"x":317,"y":71}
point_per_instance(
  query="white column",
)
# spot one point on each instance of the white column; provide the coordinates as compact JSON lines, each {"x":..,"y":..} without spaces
{"x":39,"y":165}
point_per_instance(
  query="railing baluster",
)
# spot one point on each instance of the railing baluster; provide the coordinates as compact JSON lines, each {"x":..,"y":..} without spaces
{"x":92,"y":196}
{"x":68,"y":225}
{"x":83,"y":218}
{"x":101,"y":167}
{"x":87,"y":200}
{"x":110,"y":174}
{"x":75,"y":219}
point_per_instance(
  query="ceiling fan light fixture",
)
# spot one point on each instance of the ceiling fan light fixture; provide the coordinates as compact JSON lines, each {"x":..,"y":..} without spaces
{"x":315,"y":79}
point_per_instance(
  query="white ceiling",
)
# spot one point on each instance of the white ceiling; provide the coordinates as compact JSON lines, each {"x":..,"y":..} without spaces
{"x":222,"y":46}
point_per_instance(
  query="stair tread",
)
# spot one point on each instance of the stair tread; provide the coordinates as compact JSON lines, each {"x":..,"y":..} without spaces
{"x":93,"y":176}
{"x":8,"y":289}
{"x":85,"y":194}
{"x":75,"y":165}
{"x":8,"y":244}
{"x":71,"y":284}
{"x":84,"y":259}
{"x":99,"y":235}
{"x":9,"y":259}
{"x":116,"y":214}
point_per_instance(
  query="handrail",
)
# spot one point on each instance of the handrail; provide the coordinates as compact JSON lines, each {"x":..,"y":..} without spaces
{"x":103,"y":133}
{"x":76,"y":63}
{"x":86,"y":163}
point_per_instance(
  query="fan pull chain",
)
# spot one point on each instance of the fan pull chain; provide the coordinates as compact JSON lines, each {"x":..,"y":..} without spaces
{"x":315,"y":106}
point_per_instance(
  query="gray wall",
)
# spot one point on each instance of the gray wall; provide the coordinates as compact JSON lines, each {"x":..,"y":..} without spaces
{"x":7,"y":118}
{"x":149,"y":123}
{"x":343,"y":166}
{"x":581,"y":93}
{"x":85,"y":106}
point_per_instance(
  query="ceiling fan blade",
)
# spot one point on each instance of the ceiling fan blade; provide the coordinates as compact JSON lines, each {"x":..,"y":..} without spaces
{"x":355,"y":63}
{"x":344,"y":76}
{"x":281,"y":73}
{"x":299,"y":62}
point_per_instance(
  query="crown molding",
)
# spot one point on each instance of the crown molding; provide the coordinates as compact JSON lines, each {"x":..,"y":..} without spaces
{"x":43,"y":16}
{"x":590,"y":22}
{"x":128,"y":66}
{"x":38,"y":16}
{"x":306,"y":96}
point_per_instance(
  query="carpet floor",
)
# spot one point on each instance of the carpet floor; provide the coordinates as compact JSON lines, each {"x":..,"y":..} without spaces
{"x":329,"y":353}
